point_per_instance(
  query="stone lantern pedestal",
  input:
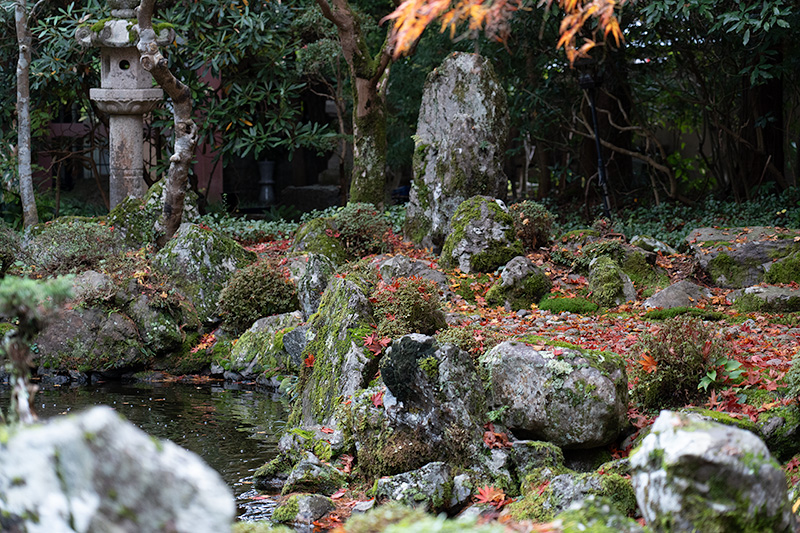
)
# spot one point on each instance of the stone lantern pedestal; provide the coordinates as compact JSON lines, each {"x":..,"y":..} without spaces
{"x":126,"y":93}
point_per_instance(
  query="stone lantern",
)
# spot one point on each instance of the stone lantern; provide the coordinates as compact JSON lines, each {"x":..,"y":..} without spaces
{"x":126,"y":93}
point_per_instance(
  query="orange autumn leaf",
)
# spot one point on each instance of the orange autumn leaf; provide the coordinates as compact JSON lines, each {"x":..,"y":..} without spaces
{"x":309,"y":361}
{"x":648,"y":363}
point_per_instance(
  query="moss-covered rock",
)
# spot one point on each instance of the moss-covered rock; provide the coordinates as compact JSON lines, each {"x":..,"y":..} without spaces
{"x":394,"y":517}
{"x":609,"y":285}
{"x":767,"y":299}
{"x":459,"y":142}
{"x":318,"y":236}
{"x":260,"y":349}
{"x":201,"y":262}
{"x":429,"y":487}
{"x":70,"y":245}
{"x":785,"y":270}
{"x":312,"y":475}
{"x":481,"y":237}
{"x":690,"y":474}
{"x":598,"y":514}
{"x":520,"y":286}
{"x":338,"y":363}
{"x":136,"y":218}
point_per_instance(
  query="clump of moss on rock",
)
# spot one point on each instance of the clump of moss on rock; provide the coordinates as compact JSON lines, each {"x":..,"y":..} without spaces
{"x":580,"y":306}
{"x":362,"y":229}
{"x":69,"y":246}
{"x":256,"y":291}
{"x":471,"y":337}
{"x":787,"y":270}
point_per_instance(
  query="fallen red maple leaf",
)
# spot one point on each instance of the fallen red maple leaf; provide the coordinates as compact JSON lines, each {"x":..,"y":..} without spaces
{"x":338,"y":494}
{"x":490,"y":495}
{"x":377,"y":399}
{"x":648,"y":363}
{"x":326,"y":430}
{"x":309,"y":361}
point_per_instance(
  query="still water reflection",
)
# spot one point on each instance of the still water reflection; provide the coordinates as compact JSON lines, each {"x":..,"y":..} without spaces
{"x":235,"y":430}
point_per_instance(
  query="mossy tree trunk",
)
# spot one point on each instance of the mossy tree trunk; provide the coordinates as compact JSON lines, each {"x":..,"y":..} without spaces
{"x":368,"y":73}
{"x":30,"y":215}
{"x":185,"y":128}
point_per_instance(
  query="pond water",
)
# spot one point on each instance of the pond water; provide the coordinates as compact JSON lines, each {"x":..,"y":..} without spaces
{"x":234,"y":428}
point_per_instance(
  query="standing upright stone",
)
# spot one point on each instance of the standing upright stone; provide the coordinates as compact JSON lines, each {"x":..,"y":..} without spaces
{"x":461,"y":136}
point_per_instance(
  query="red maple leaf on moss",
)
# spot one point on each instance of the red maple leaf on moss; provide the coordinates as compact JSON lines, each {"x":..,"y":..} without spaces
{"x":492,"y":496}
{"x":309,"y":361}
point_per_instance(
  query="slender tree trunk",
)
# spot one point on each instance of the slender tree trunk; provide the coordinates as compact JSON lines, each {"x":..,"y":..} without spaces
{"x":185,"y":128}
{"x":368,"y":74}
{"x":368,"y":182}
{"x":30,"y":215}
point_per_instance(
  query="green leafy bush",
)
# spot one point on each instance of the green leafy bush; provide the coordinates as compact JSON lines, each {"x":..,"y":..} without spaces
{"x":71,"y":246}
{"x":673,"y":361}
{"x":532,"y":223}
{"x":407,"y":305}
{"x":256,"y":291}
{"x":362,"y":229}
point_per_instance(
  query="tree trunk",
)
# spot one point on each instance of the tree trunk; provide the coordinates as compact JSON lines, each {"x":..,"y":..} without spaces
{"x":368,"y":74}
{"x":30,"y":215}
{"x":185,"y":128}
{"x":368,"y":182}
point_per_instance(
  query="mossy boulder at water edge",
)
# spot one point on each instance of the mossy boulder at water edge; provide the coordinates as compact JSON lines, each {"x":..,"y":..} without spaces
{"x":200,"y":261}
{"x":260,"y":349}
{"x":481,"y":237}
{"x":336,"y":362}
{"x":136,"y":218}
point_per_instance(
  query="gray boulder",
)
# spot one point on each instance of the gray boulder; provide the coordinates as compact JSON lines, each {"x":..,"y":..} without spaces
{"x":459,"y":145}
{"x":521,"y":284}
{"x":649,"y":244}
{"x":681,"y":294}
{"x":767,"y":299}
{"x":94,"y":472}
{"x":260,"y":348}
{"x":200,"y":262}
{"x":481,"y":236}
{"x":401,"y":266}
{"x":693,"y":475}
{"x":572,"y":398}
{"x":342,"y":364}
{"x":313,"y":282}
{"x":429,"y":487}
{"x":738,"y":257}
{"x":432,"y":409}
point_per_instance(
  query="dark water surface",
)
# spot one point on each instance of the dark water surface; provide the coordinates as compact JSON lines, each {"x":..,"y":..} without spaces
{"x":234,"y":429}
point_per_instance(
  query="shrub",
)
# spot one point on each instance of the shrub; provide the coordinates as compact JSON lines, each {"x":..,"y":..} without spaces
{"x":672,"y":363}
{"x":407,"y":305}
{"x":362,"y":229}
{"x":471,"y":337}
{"x":71,"y":246}
{"x":256,"y":291}
{"x":9,"y":247}
{"x":532,"y":223}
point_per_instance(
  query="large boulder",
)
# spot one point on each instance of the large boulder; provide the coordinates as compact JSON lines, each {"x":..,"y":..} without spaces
{"x":338,"y":363}
{"x":767,"y":299}
{"x":401,"y":266}
{"x":428,"y":487}
{"x":481,"y":237}
{"x":690,"y":474}
{"x":460,"y":142}
{"x":739,"y":257}
{"x":570,"y":397}
{"x":681,"y":294}
{"x":90,"y":340}
{"x":431,"y":409}
{"x":96,"y":472}
{"x":200,"y":262}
